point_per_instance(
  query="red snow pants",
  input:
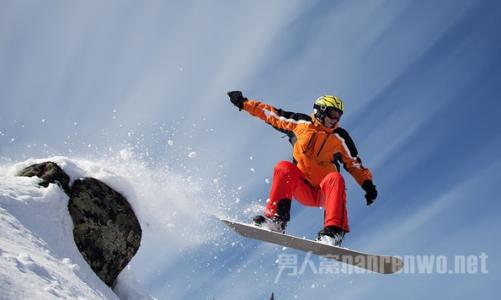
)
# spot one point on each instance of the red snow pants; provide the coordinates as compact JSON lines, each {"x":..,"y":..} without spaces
{"x":288,"y":183}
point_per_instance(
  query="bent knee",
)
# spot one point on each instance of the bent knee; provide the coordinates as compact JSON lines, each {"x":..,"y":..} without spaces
{"x":285,"y":165}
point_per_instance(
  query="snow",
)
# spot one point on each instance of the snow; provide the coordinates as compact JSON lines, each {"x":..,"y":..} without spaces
{"x":38,"y":257}
{"x":128,"y":287}
{"x":126,"y":153}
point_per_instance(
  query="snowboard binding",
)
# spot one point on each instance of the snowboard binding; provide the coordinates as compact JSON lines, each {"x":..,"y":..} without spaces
{"x":331,"y":235}
{"x":273,"y":224}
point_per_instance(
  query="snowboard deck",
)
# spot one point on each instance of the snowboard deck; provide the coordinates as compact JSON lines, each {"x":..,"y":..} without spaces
{"x":372,"y":262}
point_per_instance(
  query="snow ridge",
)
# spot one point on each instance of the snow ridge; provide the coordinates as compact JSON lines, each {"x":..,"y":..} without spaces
{"x":38,"y":256}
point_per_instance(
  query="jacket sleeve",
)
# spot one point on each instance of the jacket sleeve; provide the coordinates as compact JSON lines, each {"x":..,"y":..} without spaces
{"x":277,"y":118}
{"x":349,"y":157}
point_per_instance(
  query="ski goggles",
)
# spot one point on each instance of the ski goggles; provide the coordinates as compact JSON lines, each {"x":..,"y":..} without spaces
{"x":332,"y":113}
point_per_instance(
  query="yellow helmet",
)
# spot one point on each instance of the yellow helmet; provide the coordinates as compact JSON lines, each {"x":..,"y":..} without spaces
{"x":329,"y":101}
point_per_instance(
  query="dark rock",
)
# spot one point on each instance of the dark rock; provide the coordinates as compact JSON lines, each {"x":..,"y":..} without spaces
{"x":49,"y":172}
{"x":106,"y":230}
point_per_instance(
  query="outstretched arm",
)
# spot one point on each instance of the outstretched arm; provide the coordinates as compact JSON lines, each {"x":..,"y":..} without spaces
{"x":277,"y":118}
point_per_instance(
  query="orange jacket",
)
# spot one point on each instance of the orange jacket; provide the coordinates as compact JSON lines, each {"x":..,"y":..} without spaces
{"x":317,"y":149}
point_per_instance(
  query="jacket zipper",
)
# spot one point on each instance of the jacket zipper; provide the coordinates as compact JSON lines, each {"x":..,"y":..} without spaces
{"x":312,"y":139}
{"x":322,"y":147}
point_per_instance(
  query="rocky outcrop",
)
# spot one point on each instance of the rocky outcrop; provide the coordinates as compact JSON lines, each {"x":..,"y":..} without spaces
{"x":106,"y":230}
{"x":49,"y":172}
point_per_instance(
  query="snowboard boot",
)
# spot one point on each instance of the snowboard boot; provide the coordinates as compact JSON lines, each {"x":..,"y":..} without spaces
{"x":272,"y":224}
{"x":331,"y":235}
{"x":277,"y":223}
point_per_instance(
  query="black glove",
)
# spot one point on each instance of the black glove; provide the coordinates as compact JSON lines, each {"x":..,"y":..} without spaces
{"x":237,"y":99}
{"x":370,"y":191}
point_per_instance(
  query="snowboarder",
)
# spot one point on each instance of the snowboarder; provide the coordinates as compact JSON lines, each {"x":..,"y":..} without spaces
{"x":313,"y":177}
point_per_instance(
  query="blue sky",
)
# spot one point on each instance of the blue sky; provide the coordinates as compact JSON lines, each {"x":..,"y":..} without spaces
{"x":420,"y":80}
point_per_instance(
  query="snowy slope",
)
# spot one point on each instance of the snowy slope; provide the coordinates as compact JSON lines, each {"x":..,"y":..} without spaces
{"x":38,"y":257}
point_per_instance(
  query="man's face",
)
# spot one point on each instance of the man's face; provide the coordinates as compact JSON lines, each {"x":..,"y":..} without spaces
{"x":331,"y":118}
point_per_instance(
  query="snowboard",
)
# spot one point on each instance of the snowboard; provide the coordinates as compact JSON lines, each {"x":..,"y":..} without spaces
{"x":371,"y":262}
